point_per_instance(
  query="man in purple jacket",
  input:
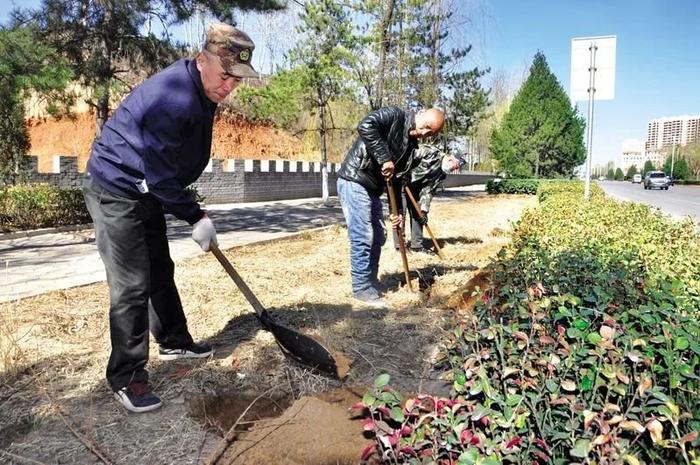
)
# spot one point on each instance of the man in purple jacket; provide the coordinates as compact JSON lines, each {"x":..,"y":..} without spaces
{"x":153,"y":146}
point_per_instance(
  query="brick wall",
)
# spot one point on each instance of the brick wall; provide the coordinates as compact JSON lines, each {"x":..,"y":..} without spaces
{"x":225,"y":181}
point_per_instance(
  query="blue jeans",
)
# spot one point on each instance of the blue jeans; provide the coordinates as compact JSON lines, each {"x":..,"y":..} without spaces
{"x":366,"y":231}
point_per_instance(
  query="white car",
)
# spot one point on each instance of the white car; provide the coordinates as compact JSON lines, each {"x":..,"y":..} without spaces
{"x":637,"y":179}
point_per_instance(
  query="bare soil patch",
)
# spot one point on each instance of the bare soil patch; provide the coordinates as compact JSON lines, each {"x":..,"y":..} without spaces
{"x":60,"y":345}
{"x":234,"y":137}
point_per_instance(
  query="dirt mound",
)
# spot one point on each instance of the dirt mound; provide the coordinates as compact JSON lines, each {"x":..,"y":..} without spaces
{"x":234,"y":137}
{"x":311,"y":432}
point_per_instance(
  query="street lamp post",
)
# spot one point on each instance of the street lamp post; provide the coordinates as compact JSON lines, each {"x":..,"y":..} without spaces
{"x":673,"y":152}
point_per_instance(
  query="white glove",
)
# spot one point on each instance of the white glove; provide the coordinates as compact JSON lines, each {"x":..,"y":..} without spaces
{"x":204,"y":234}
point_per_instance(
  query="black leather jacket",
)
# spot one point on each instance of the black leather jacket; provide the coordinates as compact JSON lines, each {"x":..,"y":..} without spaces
{"x":383,"y":136}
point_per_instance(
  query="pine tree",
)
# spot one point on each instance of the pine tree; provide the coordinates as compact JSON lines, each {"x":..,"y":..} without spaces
{"x":542,"y":134}
{"x":27,"y":66}
{"x":610,"y":174}
{"x":648,"y":166}
{"x":105,"y":41}
{"x":680,"y":168}
{"x":324,"y":56}
{"x":619,"y":175}
{"x":631,"y":171}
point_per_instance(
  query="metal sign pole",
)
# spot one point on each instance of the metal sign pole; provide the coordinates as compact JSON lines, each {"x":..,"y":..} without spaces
{"x":589,"y":138}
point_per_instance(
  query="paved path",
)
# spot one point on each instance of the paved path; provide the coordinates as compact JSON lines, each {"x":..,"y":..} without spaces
{"x":34,"y":265}
{"x":678,"y":201}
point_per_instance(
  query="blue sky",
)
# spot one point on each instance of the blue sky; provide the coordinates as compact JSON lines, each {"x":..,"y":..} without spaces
{"x":658,"y":58}
{"x":658,"y":63}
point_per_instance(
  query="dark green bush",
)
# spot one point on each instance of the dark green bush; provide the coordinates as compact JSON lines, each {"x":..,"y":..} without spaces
{"x":585,"y":351}
{"x":512,"y":186}
{"x":31,"y":206}
{"x":522,"y":186}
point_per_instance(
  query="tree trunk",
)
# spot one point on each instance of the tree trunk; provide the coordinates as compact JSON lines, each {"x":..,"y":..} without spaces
{"x":384,"y":48}
{"x":400,"y":65}
{"x":324,"y":151}
{"x":102,"y":110}
{"x":435,"y":50}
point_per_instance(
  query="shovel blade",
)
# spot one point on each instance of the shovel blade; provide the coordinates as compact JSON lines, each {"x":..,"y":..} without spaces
{"x":304,"y":349}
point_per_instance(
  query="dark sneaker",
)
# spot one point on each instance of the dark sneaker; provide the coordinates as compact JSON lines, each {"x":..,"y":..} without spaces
{"x":138,"y":398}
{"x":191,"y":351}
{"x":419,"y":250}
{"x":370,"y":297}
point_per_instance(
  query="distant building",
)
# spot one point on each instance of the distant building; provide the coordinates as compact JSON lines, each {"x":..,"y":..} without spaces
{"x":633,"y":153}
{"x":664,"y":132}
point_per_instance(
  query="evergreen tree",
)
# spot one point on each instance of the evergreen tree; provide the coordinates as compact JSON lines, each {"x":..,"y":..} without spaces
{"x":324,"y":56}
{"x":691,"y":153}
{"x":631,"y":171}
{"x":619,"y":175}
{"x":542,"y":134}
{"x":680,"y":168}
{"x":611,"y":174}
{"x":648,"y":166}
{"x":105,"y":41}
{"x":27,"y":67}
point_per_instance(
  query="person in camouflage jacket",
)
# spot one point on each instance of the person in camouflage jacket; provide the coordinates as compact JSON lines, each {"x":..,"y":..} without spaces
{"x":429,"y":168}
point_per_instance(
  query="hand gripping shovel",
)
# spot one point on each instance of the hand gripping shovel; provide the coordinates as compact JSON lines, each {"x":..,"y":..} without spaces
{"x":300,"y":347}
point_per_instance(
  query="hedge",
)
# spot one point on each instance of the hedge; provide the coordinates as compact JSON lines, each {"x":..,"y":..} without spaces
{"x":31,"y":206}
{"x":521,"y":186}
{"x":586,"y":350}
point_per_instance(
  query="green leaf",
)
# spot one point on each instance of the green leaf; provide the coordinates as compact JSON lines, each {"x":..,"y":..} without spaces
{"x":489,"y":461}
{"x":468,"y":457}
{"x":586,"y":383}
{"x":551,"y":385}
{"x":681,"y":343}
{"x":397,"y":414}
{"x":573,"y":333}
{"x":581,"y":448}
{"x":581,"y":324}
{"x":594,"y":338}
{"x":381,"y":381}
{"x":368,"y":399}
{"x":513,"y":399}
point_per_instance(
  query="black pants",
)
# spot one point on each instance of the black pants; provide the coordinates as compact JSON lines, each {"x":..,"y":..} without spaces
{"x":416,"y":227}
{"x":133,"y":246}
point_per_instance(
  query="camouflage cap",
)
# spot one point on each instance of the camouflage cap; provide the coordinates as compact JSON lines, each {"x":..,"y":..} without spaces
{"x":233,"y":47}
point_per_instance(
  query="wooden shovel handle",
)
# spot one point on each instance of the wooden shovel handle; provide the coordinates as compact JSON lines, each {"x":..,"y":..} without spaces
{"x":402,"y":246}
{"x":420,"y":215}
{"x":259,"y":309}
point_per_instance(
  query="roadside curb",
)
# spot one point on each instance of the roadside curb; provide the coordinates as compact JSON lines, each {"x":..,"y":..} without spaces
{"x":42,"y":231}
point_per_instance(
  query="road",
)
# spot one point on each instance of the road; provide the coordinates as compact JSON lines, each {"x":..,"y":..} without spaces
{"x":677,"y":201}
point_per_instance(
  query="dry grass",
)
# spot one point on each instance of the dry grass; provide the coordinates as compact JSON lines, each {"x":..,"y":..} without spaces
{"x":60,"y":341}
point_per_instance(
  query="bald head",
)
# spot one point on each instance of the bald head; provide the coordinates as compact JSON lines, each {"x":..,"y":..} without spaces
{"x":428,"y":123}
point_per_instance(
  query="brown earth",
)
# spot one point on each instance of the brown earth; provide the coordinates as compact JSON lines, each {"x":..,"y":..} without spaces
{"x":54,"y":347}
{"x":234,"y":137}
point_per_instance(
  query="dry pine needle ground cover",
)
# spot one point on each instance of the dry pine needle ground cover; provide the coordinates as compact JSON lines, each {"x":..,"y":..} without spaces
{"x":56,"y":407}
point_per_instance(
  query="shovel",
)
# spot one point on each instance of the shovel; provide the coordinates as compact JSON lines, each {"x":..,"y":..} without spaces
{"x":420,"y":215}
{"x":393,"y":208}
{"x":299,"y":347}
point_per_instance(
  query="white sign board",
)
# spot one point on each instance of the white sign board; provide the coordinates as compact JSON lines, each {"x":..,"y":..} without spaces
{"x":604,"y":67}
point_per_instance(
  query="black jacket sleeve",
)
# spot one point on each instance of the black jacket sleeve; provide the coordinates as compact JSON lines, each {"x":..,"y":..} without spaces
{"x":374,"y":130}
